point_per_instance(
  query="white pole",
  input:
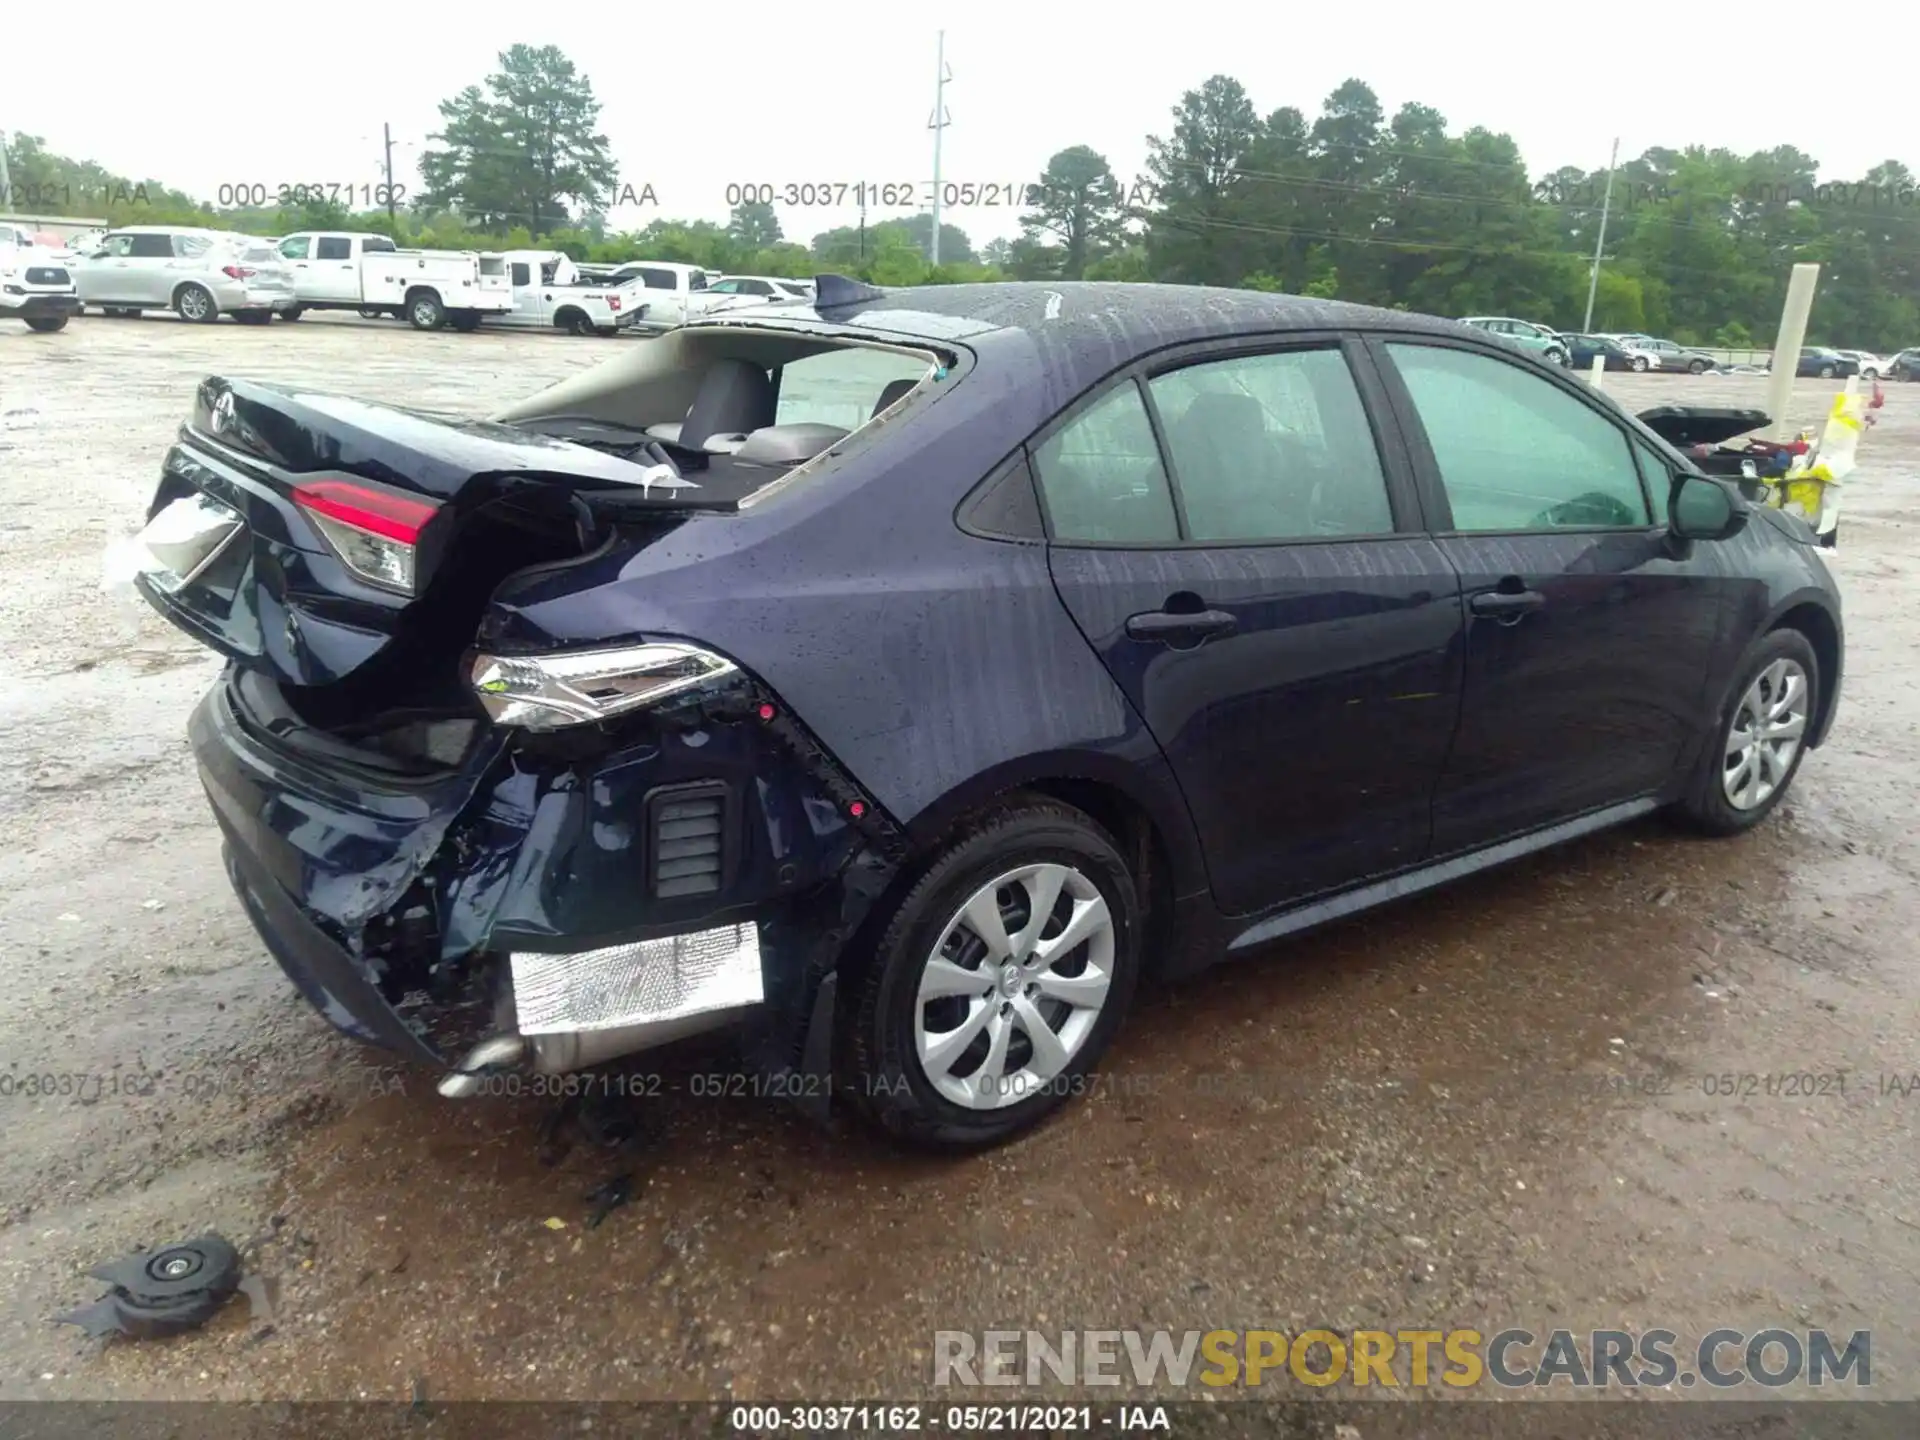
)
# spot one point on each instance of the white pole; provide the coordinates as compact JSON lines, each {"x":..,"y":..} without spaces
{"x":1786,"y":348}
{"x":1606,"y":203}
{"x":1596,"y":370}
{"x":939,"y":127}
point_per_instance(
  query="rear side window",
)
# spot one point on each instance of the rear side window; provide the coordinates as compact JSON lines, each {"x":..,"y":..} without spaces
{"x":152,"y":247}
{"x":260,"y":255}
{"x":333,"y":247}
{"x":191,"y":246}
{"x":1515,"y":452}
{"x":1272,"y":447}
{"x":1102,"y":478}
{"x":522,"y":273}
{"x":378,"y":245}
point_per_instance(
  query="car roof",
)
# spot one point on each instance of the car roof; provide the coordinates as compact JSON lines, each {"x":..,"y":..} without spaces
{"x":1082,"y":330}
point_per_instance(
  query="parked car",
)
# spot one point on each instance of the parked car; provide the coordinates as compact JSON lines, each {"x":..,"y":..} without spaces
{"x":1872,"y":367}
{"x":1619,"y":355}
{"x":199,"y":274}
{"x":549,"y":293}
{"x":35,"y":287}
{"x":764,"y":287}
{"x":576,"y":738}
{"x":1820,"y":362}
{"x":1548,"y":344}
{"x":366,"y":272}
{"x":1671,"y":355}
{"x":677,"y":293}
{"x":1905,"y":365}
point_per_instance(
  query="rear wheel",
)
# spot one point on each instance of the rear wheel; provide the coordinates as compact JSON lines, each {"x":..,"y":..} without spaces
{"x":1696,"y":367}
{"x":196,"y":303}
{"x":1759,"y":740}
{"x":1826,"y":372}
{"x":999,"y":980}
{"x":1556,"y":356}
{"x":1638,"y":364}
{"x":253,"y":317}
{"x":424,"y":310}
{"x":47,"y":324}
{"x":367,"y":312}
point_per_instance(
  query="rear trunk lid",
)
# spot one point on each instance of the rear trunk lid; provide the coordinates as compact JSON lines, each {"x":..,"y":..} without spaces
{"x":1685,"y":426}
{"x":324,"y":539}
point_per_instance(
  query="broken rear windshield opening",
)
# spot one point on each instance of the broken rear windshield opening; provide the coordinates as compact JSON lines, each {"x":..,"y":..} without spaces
{"x":716,"y":415}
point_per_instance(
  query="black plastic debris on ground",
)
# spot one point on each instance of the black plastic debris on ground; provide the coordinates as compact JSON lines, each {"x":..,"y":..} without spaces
{"x":607,"y":1197}
{"x":161,"y":1292}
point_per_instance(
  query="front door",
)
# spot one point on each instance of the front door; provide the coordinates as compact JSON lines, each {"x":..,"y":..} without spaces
{"x":1240,"y":545}
{"x":108,"y":278}
{"x":1588,"y":630}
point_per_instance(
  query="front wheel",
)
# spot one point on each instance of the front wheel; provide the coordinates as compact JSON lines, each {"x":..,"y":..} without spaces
{"x":1696,"y":367}
{"x":998,"y":982}
{"x":292,"y":312}
{"x":1638,"y":364}
{"x":424,"y":311}
{"x":1556,"y":357}
{"x":47,"y":324}
{"x":1759,"y":740}
{"x":196,"y":303}
{"x":1826,"y":372}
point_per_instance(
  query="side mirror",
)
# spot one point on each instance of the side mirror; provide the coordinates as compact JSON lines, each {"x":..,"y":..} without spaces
{"x":1703,"y":509}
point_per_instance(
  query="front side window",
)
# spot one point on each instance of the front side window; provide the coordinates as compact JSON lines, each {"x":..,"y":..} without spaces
{"x":296,"y":248}
{"x":1272,"y":447}
{"x":1515,"y":452}
{"x":658,"y":279}
{"x":118,"y":246}
{"x":1102,"y":477}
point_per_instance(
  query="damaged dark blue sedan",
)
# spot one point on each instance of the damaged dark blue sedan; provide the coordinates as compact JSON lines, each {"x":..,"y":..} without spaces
{"x":897,"y":677}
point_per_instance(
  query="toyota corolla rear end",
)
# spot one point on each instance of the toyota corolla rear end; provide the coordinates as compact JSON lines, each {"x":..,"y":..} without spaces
{"x":474,"y":849}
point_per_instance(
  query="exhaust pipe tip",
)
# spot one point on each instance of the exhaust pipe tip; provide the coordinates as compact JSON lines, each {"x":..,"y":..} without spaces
{"x":497,"y":1052}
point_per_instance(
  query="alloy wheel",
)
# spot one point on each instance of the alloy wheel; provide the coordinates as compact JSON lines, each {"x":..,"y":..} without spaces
{"x":1765,"y":735}
{"x":1014,"y":986}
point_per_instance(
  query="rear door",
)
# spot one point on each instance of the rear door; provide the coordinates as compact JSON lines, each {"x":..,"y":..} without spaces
{"x":1237,"y":534}
{"x":1588,"y":632}
{"x":333,"y":274}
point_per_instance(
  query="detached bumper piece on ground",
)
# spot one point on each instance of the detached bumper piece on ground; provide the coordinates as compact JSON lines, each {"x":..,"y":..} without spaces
{"x":894,"y":676}
{"x":162,"y":1292}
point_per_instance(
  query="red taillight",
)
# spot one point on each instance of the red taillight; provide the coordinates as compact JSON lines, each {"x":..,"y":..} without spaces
{"x":374,"y":531}
{"x":394,"y":516}
{"x":237,"y":272}
{"x":613,"y":303}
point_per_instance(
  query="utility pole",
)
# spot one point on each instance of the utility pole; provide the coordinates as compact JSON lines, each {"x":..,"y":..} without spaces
{"x":393,"y":217}
{"x":6,"y":176}
{"x":1606,"y":201}
{"x":938,"y":124}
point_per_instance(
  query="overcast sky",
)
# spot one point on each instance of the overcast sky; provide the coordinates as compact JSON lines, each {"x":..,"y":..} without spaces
{"x":758,"y":93}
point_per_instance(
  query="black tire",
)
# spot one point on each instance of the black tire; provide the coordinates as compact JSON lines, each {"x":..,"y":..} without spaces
{"x":574,"y":322}
{"x":424,"y":310}
{"x":196,"y":303}
{"x":1826,"y":372}
{"x":1705,"y":807}
{"x":1556,"y":356}
{"x":47,"y":324}
{"x":253,"y":317}
{"x":464,"y":321}
{"x":368,"y":312}
{"x":1696,"y":367}
{"x":292,"y":312}
{"x":876,"y":1043}
{"x":1637,"y":364}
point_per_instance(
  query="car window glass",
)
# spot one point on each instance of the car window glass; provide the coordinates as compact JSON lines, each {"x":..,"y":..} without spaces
{"x":296,"y":248}
{"x":378,"y":245}
{"x":522,"y":273}
{"x":1515,"y":452}
{"x":1659,"y":477}
{"x":548,"y":269}
{"x":1272,"y":447}
{"x":333,"y":247}
{"x":120,"y":246}
{"x":152,"y":246}
{"x":841,"y":387}
{"x":658,"y":279}
{"x":697,"y":280}
{"x":1102,"y":477}
{"x":725,"y":287}
{"x":260,"y":255}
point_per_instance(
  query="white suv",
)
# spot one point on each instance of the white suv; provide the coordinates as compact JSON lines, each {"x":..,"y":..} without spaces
{"x":199,"y":274}
{"x":35,"y":286}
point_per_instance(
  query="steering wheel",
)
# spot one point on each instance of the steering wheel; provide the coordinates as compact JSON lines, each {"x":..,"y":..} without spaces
{"x":1596,"y":507}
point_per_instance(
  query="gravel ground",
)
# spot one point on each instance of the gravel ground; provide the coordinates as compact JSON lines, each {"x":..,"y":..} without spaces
{"x":1399,"y":1122}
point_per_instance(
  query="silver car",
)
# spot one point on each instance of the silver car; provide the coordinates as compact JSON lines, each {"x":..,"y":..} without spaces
{"x":199,"y":274}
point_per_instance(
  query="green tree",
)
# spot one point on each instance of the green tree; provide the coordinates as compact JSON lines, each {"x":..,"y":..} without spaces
{"x":753,"y":225}
{"x":521,"y":147}
{"x":1079,"y":206}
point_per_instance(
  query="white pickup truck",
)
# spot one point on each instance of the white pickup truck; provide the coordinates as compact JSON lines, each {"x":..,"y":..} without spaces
{"x":550,"y":293}
{"x":349,"y":270}
{"x":675,"y":293}
{"x":35,"y":285}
